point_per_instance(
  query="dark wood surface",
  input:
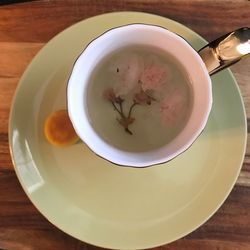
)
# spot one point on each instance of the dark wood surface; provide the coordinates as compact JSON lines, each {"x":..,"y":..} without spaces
{"x":25,"y":28}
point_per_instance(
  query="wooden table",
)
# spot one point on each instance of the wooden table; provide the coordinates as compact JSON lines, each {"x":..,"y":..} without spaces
{"x":25,"y":28}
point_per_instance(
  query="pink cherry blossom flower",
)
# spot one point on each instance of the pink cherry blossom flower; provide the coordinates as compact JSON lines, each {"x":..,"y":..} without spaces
{"x":172,"y":107}
{"x":154,"y":76}
{"x":127,"y":71}
{"x":143,"y":98}
{"x":110,"y":95}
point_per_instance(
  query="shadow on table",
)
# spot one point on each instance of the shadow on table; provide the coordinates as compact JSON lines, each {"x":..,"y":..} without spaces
{"x":5,"y":2}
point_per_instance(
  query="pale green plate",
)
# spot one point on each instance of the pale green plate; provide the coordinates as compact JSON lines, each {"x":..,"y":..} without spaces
{"x":107,"y":205}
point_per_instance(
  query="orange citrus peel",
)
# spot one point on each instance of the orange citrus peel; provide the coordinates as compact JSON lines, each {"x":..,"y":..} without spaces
{"x":59,"y":130}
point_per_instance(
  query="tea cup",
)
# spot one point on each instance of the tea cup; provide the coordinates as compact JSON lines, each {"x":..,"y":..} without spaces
{"x":199,"y":66}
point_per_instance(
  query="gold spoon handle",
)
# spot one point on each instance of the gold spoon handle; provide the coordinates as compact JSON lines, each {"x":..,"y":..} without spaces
{"x":226,"y":50}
